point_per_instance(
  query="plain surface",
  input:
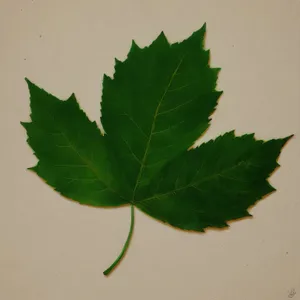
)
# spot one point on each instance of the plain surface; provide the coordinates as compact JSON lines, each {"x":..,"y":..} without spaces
{"x":54,"y":249}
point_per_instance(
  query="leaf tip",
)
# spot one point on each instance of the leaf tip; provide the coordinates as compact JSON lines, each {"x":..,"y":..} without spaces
{"x":286,"y":139}
{"x":134,"y":47}
{"x":248,"y":215}
{"x":71,"y":99}
{"x":282,"y":142}
{"x":201,"y":32}
{"x":117,"y":62}
{"x":198,"y":36}
{"x":31,"y":86}
{"x":216,"y":71}
{"x":24,"y":124}
{"x":29,"y":83}
{"x":161,"y":39}
{"x":231,"y":133}
{"x":33,"y":169}
{"x":162,"y":34}
{"x":106,"y":78}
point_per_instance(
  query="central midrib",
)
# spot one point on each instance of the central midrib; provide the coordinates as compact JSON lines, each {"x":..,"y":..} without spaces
{"x":153,"y":128}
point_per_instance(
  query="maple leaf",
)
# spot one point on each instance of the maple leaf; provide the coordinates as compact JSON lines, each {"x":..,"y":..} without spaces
{"x":156,"y":106}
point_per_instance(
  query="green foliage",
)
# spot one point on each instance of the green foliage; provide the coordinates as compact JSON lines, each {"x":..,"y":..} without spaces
{"x":154,"y":108}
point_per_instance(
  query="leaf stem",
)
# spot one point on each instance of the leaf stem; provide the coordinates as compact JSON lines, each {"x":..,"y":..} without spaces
{"x":125,"y":247}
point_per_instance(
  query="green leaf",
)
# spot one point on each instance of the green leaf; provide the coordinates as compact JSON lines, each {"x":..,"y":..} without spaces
{"x":156,"y":106}
{"x":72,"y":154}
{"x":212,"y":184}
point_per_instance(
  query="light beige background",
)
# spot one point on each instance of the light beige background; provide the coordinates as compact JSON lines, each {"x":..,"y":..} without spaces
{"x":54,"y":249}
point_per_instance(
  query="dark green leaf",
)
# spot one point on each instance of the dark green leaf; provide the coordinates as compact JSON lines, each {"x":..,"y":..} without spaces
{"x":212,"y":184}
{"x":154,"y":108}
{"x":158,"y":104}
{"x":71,"y":151}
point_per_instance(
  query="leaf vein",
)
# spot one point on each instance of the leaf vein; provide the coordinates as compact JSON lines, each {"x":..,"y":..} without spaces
{"x":192,"y":184}
{"x":131,"y":151}
{"x":153,"y":128}
{"x":136,"y":125}
{"x":177,"y":107}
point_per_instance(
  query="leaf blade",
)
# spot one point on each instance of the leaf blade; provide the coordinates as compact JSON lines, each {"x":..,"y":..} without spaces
{"x":201,"y":189}
{"x":145,"y":102}
{"x":71,"y":151}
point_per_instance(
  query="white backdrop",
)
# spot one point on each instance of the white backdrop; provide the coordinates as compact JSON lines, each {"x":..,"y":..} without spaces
{"x":55,"y":249}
